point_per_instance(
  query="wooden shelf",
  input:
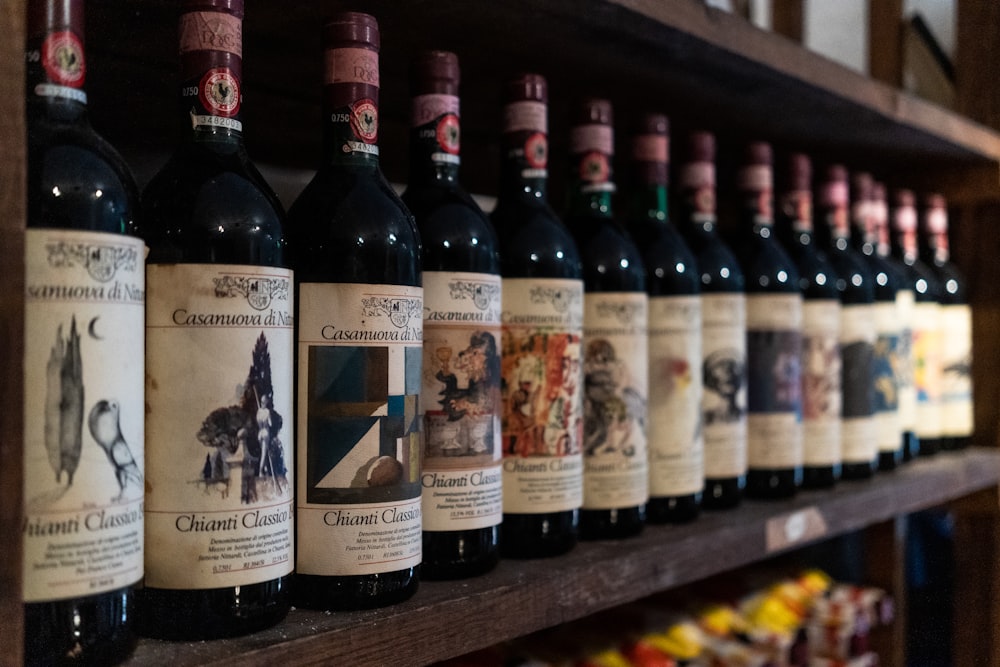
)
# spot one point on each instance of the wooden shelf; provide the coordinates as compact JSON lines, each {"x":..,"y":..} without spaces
{"x":702,"y":66}
{"x":445,"y":619}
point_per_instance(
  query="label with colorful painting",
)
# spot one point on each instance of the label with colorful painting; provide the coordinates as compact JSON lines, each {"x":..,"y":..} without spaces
{"x":542,"y":394}
{"x":676,"y":441}
{"x":462,"y":481}
{"x":84,"y":296}
{"x":219,"y":425}
{"x":358,"y":493}
{"x":774,"y":380}
{"x":905,"y":303}
{"x":857,"y":349}
{"x":956,"y":368}
{"x":821,"y":369}
{"x":724,"y":374}
{"x":615,"y":381}
{"x":927,"y":368}
{"x":884,"y":363}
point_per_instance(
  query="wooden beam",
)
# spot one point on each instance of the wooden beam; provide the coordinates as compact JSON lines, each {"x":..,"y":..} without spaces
{"x":885,"y":41}
{"x":12,"y":196}
{"x":977,"y":49}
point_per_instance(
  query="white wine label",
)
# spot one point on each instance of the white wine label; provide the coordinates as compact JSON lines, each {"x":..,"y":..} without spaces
{"x":857,"y":347}
{"x":956,"y":371}
{"x":927,"y":368}
{"x":615,"y":381}
{"x":83,"y":413}
{"x":358,"y":502}
{"x":907,"y":390}
{"x":821,"y":370}
{"x":461,"y":475}
{"x":774,"y":380}
{"x":219,"y":425}
{"x":885,"y":363}
{"x":724,"y":377}
{"x":676,"y":441}
{"x":542,"y":395}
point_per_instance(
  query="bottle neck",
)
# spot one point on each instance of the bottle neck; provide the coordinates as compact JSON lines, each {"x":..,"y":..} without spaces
{"x":836,"y":213}
{"x":211,"y":85}
{"x":756,"y":187}
{"x":525,"y":150}
{"x":936,"y":235}
{"x":590,"y":178}
{"x":904,"y":227}
{"x":795,"y":222}
{"x":350,"y":108}
{"x":697,"y":198}
{"x":56,"y":66}
{"x":863,"y":235}
{"x":650,"y":201}
{"x":435,"y":135}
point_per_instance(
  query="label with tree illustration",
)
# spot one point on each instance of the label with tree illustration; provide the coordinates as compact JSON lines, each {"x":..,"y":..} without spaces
{"x":542,"y":395}
{"x":461,"y":478}
{"x":724,"y":375}
{"x":83,"y":413}
{"x":615,"y":397}
{"x":676,"y":441}
{"x":220,"y":426}
{"x":358,"y":503}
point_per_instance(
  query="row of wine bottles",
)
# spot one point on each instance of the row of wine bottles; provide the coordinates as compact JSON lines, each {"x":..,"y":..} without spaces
{"x":179,"y":346}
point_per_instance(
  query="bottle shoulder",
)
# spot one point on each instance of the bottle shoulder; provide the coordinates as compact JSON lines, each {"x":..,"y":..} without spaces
{"x":77,"y":180}
{"x":205,"y":206}
{"x":611,"y":260}
{"x":671,"y":267}
{"x":767,"y":267}
{"x":534,"y":242}
{"x":455,"y":233}
{"x":349,"y":225}
{"x":719,"y":270}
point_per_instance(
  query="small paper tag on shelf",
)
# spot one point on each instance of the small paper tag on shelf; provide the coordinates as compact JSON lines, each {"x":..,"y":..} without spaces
{"x":794,"y":528}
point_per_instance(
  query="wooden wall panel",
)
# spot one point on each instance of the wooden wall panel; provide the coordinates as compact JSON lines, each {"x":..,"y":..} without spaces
{"x":12,"y":205}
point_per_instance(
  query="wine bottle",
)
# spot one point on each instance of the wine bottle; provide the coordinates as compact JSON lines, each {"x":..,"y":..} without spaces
{"x":820,"y":364}
{"x":905,"y":300}
{"x":360,"y":323}
{"x":774,"y":336}
{"x":858,"y":333}
{"x":926,"y":339}
{"x":219,"y":367}
{"x":461,"y":359}
{"x":956,"y":327}
{"x":723,"y":333}
{"x":888,"y":326}
{"x":675,"y":440}
{"x":542,"y":330}
{"x":615,"y":334}
{"x":83,"y":370}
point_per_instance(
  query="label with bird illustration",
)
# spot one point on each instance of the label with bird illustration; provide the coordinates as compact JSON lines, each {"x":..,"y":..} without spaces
{"x":219,"y":422}
{"x":83,"y":413}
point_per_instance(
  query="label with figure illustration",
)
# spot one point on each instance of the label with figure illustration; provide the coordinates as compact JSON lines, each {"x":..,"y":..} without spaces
{"x":821,"y":370}
{"x":461,"y":477}
{"x":724,"y":377}
{"x":83,"y":413}
{"x":774,"y":379}
{"x":542,"y":395}
{"x":219,"y":425}
{"x":615,"y":397}
{"x":885,"y":362}
{"x":676,"y":441}
{"x":358,"y":498}
{"x":956,"y":371}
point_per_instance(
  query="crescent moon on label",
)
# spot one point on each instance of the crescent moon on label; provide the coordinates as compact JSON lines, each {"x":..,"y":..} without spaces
{"x":92,"y":329}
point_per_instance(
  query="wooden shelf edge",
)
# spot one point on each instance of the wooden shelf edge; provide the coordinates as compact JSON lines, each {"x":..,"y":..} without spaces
{"x":445,"y":619}
{"x":786,"y":58}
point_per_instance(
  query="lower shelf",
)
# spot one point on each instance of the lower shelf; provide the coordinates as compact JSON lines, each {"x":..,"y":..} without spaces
{"x":446,"y":619}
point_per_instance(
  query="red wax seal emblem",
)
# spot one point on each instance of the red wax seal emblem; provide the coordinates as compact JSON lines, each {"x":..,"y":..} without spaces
{"x":364,"y":121}
{"x":219,"y":92}
{"x":536,"y":150}
{"x":594,"y":167}
{"x":62,"y":58}
{"x":448,"y":134}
